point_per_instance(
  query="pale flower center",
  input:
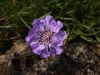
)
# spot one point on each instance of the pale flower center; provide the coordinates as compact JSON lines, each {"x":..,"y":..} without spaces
{"x":45,"y":37}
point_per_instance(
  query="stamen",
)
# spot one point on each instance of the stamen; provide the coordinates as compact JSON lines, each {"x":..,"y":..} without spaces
{"x":45,"y":37}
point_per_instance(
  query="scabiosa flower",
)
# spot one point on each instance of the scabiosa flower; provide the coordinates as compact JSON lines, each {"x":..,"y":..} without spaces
{"x":46,"y":38}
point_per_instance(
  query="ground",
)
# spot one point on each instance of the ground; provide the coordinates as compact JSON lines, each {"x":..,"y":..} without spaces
{"x":78,"y":58}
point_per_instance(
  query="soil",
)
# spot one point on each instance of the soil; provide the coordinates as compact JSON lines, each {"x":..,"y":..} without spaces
{"x":78,"y":58}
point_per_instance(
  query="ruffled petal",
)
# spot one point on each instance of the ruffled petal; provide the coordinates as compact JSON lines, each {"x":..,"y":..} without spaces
{"x":48,"y":19}
{"x":45,"y":53}
{"x":61,"y":35}
{"x":28,"y":38}
{"x":32,"y":43}
{"x":38,"y":25}
{"x":58,"y":38}
{"x":55,"y":26}
{"x":51,"y":24}
{"x":58,"y":50}
{"x":31,"y":38}
{"x":58,"y":26}
{"x":38,"y":49}
{"x":56,"y":41}
{"x":35,"y":22}
{"x":52,"y":50}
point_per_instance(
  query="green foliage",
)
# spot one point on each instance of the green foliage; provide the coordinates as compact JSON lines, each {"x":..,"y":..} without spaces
{"x":81,"y":18}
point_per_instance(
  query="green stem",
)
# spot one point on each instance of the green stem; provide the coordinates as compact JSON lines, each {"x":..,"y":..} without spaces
{"x":25,"y":23}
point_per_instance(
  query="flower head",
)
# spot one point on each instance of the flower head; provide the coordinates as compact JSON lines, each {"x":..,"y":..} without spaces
{"x":46,"y":38}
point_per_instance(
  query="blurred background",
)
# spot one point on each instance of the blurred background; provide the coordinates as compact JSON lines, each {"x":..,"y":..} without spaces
{"x":81,"y":19}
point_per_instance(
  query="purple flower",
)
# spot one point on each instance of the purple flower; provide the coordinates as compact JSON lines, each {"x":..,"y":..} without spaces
{"x":46,"y":38}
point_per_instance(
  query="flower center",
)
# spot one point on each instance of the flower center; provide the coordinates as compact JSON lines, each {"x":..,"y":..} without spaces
{"x":45,"y":37}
